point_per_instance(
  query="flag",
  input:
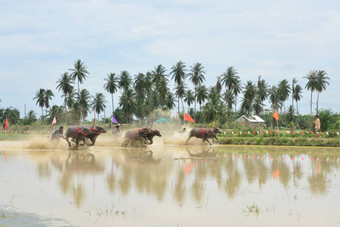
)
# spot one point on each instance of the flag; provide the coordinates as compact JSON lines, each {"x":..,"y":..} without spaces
{"x":188,"y":118}
{"x":114,"y":120}
{"x":54,"y":121}
{"x":6,"y":124}
{"x":276,"y":115}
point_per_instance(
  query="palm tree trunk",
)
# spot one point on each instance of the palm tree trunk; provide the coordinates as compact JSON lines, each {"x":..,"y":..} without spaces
{"x":317,"y":104}
{"x":297,"y":108}
{"x":195,"y":103}
{"x":311,"y":102}
{"x":112,"y":109}
{"x":78,"y":98}
{"x":178,"y":104}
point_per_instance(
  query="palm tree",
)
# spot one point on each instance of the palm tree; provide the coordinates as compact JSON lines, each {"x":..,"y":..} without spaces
{"x":65,"y":85}
{"x":197,"y":77}
{"x":31,"y":117}
{"x":294,"y":81}
{"x":127,"y":102}
{"x":202,"y":94}
{"x":40,"y":97}
{"x":212,"y":106}
{"x":139,"y":86}
{"x":189,"y":98}
{"x":178,"y":75}
{"x":232,"y":82}
{"x":111,"y":86}
{"x":274,"y":97}
{"x":55,"y":111}
{"x":70,"y":97}
{"x":297,"y":96}
{"x":263,"y":89}
{"x":218,"y":85}
{"x":158,"y":74}
{"x":162,"y":90}
{"x":229,"y":98}
{"x":80,"y":73}
{"x":322,"y":82}
{"x":98,"y":103}
{"x":284,"y":91}
{"x":180,"y":91}
{"x":248,"y":98}
{"x":124,"y":80}
{"x":84,"y":102}
{"x":311,"y":85}
{"x":170,"y":101}
{"x":48,"y":96}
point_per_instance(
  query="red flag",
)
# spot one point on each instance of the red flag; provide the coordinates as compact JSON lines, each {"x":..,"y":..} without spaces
{"x":188,"y":168}
{"x":188,"y":118}
{"x":276,"y":115}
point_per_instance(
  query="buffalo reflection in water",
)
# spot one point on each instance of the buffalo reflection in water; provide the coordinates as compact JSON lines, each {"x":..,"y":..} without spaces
{"x":77,"y":163}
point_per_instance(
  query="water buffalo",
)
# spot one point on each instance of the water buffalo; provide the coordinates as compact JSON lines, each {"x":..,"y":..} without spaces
{"x":204,"y":134}
{"x":137,"y":135}
{"x":151,"y":135}
{"x":95,"y":131}
{"x":77,"y":134}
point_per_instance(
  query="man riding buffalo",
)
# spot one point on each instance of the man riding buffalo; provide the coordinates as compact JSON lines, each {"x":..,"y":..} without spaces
{"x":81,"y":133}
{"x":204,"y":134}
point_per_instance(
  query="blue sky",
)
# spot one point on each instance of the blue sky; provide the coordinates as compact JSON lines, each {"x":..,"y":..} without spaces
{"x":40,"y":40}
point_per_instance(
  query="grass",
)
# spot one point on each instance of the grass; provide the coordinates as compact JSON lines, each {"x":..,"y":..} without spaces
{"x":254,"y":209}
{"x":281,"y":141}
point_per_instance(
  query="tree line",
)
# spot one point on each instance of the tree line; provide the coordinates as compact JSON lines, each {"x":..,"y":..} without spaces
{"x":146,"y":92}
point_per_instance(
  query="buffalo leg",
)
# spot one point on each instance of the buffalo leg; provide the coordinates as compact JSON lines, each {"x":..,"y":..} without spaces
{"x":188,"y":139}
{"x":69,"y":144}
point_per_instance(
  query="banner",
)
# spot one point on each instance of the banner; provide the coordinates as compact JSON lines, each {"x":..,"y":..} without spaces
{"x":188,"y":118}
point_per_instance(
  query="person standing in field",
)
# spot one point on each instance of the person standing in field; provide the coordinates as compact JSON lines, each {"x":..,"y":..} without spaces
{"x":317,"y":125}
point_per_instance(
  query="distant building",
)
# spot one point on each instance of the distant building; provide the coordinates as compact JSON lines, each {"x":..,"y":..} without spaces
{"x":251,"y":122}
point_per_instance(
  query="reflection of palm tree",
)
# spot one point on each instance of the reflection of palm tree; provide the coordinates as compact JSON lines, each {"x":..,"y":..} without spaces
{"x":78,"y":194}
{"x":198,"y":189}
{"x":111,"y":182}
{"x":180,"y":187}
{"x":318,"y":183}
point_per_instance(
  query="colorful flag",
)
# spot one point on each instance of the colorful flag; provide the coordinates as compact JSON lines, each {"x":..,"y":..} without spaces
{"x":114,"y":120}
{"x":6,"y":124}
{"x":276,"y":115}
{"x":54,"y":121}
{"x":188,"y":118}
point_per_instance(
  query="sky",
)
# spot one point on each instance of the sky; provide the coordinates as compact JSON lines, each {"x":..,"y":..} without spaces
{"x":42,"y":39}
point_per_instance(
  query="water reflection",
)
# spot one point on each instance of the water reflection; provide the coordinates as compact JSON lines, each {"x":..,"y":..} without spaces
{"x":189,"y":172}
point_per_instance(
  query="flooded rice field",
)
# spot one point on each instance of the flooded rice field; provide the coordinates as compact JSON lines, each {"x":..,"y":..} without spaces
{"x":168,"y":184}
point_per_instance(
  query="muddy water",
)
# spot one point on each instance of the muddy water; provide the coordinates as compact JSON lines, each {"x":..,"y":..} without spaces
{"x":168,"y":185}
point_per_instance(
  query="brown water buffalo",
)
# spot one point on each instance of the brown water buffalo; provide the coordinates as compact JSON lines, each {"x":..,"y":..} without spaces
{"x":204,"y":134}
{"x":95,"y":131}
{"x":151,"y":135}
{"x":137,"y":135}
{"x":77,"y":134}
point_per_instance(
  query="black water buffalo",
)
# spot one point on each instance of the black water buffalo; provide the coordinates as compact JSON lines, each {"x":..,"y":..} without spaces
{"x":95,"y":131}
{"x":137,"y":135}
{"x":77,"y":134}
{"x":151,"y":135}
{"x":204,"y":134}
{"x":81,"y":133}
